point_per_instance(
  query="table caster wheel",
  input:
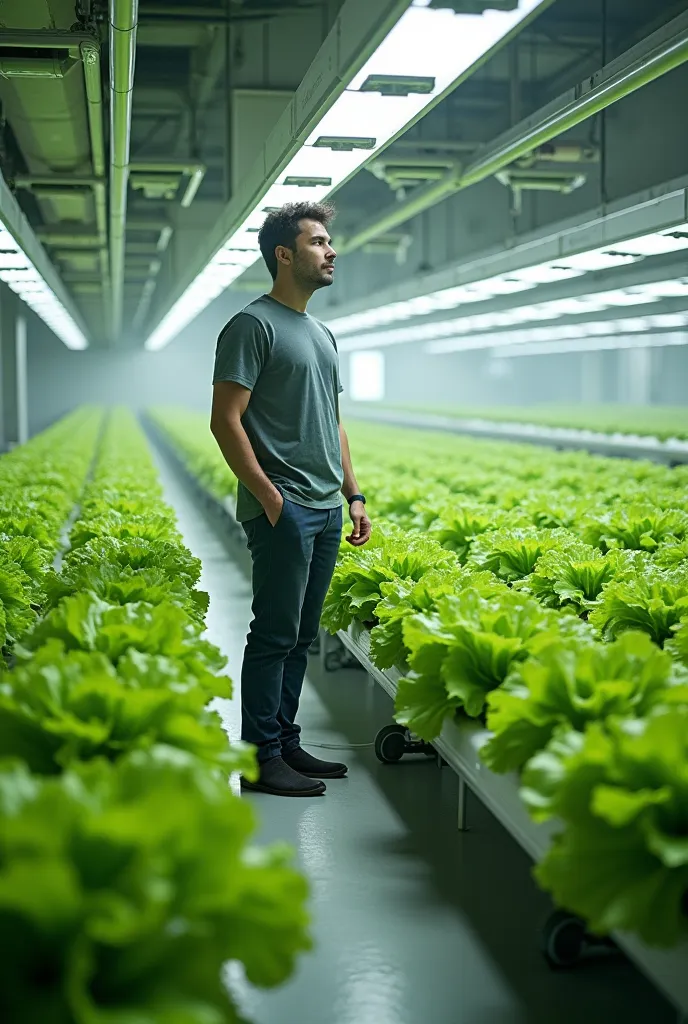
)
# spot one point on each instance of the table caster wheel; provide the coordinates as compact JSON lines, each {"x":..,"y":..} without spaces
{"x":390,"y":744}
{"x":564,"y":939}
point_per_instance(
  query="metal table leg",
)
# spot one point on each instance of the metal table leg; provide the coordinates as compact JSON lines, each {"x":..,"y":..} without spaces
{"x":463,"y":795}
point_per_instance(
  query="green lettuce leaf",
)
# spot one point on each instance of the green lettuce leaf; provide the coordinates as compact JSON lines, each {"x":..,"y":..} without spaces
{"x":575,"y":577}
{"x":124,"y":585}
{"x":469,"y":645}
{"x":513,"y":553}
{"x":137,"y":553}
{"x":571,"y":685}
{"x":392,"y":556}
{"x":126,"y":889}
{"x":458,"y":524}
{"x":62,"y":707}
{"x":403,"y":597}
{"x":640,"y":527}
{"x":654,"y":602}
{"x":85,"y":622}
{"x":142,"y":525}
{"x":621,"y":790}
{"x":678,"y":646}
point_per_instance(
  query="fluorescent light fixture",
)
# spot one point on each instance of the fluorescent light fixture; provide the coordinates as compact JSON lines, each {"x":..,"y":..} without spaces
{"x":367,"y":376}
{"x":553,"y":348}
{"x":19,"y":274}
{"x":605,"y":258}
{"x":461,"y":327}
{"x":14,"y":261}
{"x":591,"y":262}
{"x":426,"y":45}
{"x":599,"y":329}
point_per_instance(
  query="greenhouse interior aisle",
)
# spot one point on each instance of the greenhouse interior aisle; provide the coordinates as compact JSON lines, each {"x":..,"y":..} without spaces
{"x":412,"y":920}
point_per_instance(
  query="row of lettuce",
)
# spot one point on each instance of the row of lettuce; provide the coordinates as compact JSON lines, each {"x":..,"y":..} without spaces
{"x":545,"y":593}
{"x":127,"y":881}
{"x":40,"y":484}
{"x":662,"y":421}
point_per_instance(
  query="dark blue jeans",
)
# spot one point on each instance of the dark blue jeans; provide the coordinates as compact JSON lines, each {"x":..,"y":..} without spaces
{"x":293,"y":564}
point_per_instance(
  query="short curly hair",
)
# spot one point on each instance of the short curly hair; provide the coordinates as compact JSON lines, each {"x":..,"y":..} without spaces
{"x":281,"y":227}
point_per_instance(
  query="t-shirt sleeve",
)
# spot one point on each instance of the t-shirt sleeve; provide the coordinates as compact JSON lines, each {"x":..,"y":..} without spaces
{"x":340,"y":386}
{"x":242,"y":351}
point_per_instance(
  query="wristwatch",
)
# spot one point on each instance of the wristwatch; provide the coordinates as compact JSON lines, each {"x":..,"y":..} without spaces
{"x":356,"y":497}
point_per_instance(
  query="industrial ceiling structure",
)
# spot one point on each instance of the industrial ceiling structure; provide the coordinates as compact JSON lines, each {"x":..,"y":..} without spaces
{"x":142,"y":142}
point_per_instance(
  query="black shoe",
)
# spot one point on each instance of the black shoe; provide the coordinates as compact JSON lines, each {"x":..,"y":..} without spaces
{"x":280,"y":779}
{"x":313,"y":767}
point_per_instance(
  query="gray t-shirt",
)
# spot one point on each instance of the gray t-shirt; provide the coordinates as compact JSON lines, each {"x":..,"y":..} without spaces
{"x":289,"y":362}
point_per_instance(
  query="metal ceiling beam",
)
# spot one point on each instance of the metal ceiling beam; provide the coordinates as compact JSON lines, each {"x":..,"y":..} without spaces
{"x":660,"y":53}
{"x":123,"y":24}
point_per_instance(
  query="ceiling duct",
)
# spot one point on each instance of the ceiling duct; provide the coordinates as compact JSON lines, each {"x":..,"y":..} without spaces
{"x":17,"y":65}
{"x":65,"y":165}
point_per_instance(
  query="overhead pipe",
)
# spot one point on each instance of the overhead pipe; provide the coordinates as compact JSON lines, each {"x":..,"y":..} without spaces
{"x":660,"y":53}
{"x":90,"y":57}
{"x":123,"y":25}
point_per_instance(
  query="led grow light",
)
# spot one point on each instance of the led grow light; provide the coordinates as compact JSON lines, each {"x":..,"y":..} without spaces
{"x":547,"y":348}
{"x":609,"y":257}
{"x":389,"y":92}
{"x":543,"y":311}
{"x":19,"y":274}
{"x":598,"y":329}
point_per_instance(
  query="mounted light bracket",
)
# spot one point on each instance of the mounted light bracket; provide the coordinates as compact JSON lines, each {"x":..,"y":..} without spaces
{"x":344,"y":143}
{"x":474,"y":6}
{"x":399,"y":85}
{"x":302,"y":182}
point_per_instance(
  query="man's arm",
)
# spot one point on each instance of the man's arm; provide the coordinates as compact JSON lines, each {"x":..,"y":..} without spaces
{"x":230,"y":402}
{"x":360,"y":534}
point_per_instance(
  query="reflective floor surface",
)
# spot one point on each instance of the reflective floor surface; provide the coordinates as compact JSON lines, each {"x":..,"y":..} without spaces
{"x":414,"y":922}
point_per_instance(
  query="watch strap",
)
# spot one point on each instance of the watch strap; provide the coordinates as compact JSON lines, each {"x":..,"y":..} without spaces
{"x":357,"y":497}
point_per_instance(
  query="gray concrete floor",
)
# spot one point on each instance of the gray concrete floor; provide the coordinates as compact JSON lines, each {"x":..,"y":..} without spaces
{"x":413,"y":921}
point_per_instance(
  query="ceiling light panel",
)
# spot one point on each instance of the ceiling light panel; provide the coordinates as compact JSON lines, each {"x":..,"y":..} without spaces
{"x":451,"y":44}
{"x":547,"y":348}
{"x":19,"y":274}
{"x":575,"y":306}
{"x":606,"y":258}
{"x":598,"y":329}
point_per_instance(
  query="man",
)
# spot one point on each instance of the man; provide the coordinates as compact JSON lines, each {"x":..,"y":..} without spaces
{"x":276,"y":419}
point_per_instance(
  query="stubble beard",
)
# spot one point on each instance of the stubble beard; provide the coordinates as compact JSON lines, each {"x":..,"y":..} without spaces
{"x":313,"y":279}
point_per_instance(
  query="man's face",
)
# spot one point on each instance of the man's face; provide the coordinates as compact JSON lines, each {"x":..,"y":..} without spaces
{"x":314,"y":257}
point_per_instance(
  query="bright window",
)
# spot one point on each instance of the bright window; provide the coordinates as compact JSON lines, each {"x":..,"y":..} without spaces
{"x":367,"y":376}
